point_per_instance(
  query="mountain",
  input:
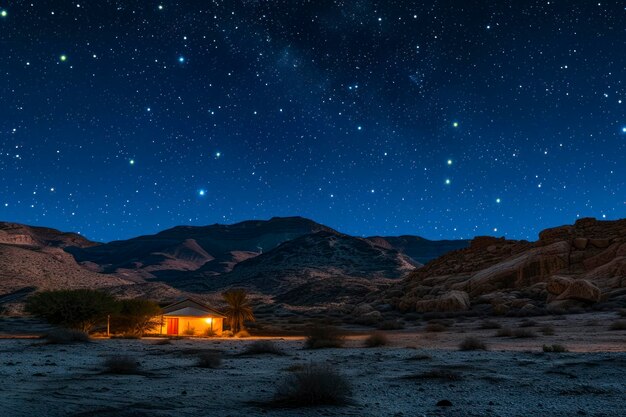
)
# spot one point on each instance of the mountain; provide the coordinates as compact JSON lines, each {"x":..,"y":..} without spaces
{"x":216,"y":248}
{"x":318,"y":268}
{"x":569,"y":266}
{"x":39,"y":237}
{"x":420,"y":249}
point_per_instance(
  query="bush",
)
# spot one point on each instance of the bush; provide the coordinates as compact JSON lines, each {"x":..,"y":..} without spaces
{"x":209,"y":360}
{"x":190,"y":331}
{"x":227,"y":333}
{"x":618,"y":325}
{"x":313,"y":385}
{"x":547,"y":330}
{"x":210,"y":333}
{"x":376,"y":339}
{"x":242,"y":333}
{"x":554,"y":348}
{"x":490,"y":324}
{"x":524,"y":333}
{"x":122,"y":365}
{"x":472,"y":343}
{"x":436,"y":327}
{"x":263,"y":347}
{"x":527,"y":323}
{"x":136,"y":317}
{"x":66,"y":336}
{"x":76,"y":309}
{"x":390,"y":325}
{"x":504,"y":332}
{"x":319,"y":337}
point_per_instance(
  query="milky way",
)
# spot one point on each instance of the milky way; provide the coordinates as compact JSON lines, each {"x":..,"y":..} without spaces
{"x":445,"y":119}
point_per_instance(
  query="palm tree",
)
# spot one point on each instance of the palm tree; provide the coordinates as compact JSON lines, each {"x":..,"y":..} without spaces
{"x":239,"y":309}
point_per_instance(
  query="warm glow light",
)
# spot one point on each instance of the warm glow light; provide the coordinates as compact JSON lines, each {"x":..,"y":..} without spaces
{"x":209,"y":320}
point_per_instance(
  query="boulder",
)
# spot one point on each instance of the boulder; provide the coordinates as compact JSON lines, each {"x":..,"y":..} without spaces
{"x":451,"y":301}
{"x":580,"y":243}
{"x":362,"y":309}
{"x":557,"y":285}
{"x":581,"y":290}
{"x":600,"y":243}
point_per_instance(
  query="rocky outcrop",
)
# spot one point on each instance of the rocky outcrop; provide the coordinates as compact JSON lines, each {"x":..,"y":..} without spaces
{"x":568,"y":265}
{"x":451,"y":301}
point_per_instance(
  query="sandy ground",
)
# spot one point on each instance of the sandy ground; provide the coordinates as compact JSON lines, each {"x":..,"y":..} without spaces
{"x":513,"y":378}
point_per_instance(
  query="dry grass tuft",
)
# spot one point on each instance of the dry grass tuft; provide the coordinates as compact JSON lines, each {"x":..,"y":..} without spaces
{"x":66,"y":336}
{"x":524,"y":333}
{"x":504,"y":332}
{"x":320,"y":337}
{"x":242,"y":334}
{"x":554,"y":349}
{"x":210,"y":360}
{"x":263,"y":347}
{"x":472,"y":343}
{"x":313,"y":385}
{"x":376,"y":340}
{"x":121,"y":365}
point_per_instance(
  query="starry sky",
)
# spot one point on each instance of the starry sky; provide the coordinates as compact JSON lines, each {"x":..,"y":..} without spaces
{"x":445,"y":119}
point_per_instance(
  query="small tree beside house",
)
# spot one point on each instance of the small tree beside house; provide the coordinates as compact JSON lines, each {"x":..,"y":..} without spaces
{"x":238,"y":309}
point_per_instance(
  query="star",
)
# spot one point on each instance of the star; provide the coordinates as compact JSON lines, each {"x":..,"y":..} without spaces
{"x":3,"y":13}
{"x":201,"y":192}
{"x":63,"y":58}
{"x":449,"y":161}
{"x":448,"y":181}
{"x":181,"y":59}
{"x":131,"y":162}
{"x":624,"y":129}
{"x":218,"y":154}
{"x":498,"y":200}
{"x":455,"y":124}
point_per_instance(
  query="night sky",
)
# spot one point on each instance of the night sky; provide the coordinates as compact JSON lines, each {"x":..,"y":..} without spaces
{"x":446,"y":119}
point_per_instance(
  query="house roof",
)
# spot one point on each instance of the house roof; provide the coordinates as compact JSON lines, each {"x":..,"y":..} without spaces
{"x":198,"y":308}
{"x":191,"y":312}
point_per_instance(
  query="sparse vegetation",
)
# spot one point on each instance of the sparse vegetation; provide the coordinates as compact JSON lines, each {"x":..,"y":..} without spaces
{"x":390,"y":325}
{"x":189,"y":331}
{"x":76,"y":309}
{"x":209,"y":360}
{"x":321,"y":336}
{"x":261,"y":347}
{"x":242,"y":333}
{"x":472,"y":343}
{"x":504,"y":332}
{"x":210,"y":333}
{"x":523,"y":333}
{"x":490,"y":324}
{"x":122,"y":365}
{"x":618,"y":325}
{"x":66,"y":336}
{"x":554,"y":349}
{"x":527,"y":323}
{"x":547,"y":330}
{"x":376,"y":340}
{"x":239,"y":309}
{"x":313,"y":385}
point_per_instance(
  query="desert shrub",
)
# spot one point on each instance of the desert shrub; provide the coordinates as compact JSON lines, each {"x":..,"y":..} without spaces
{"x":209,"y":360}
{"x":547,"y":330}
{"x":504,"y":332}
{"x":321,"y":336}
{"x":554,"y":348}
{"x":227,"y":333}
{"x":435,"y":327}
{"x":242,"y":333}
{"x":189,"y":331}
{"x":390,"y":325}
{"x":313,"y":385}
{"x":376,"y":339}
{"x":121,"y":364}
{"x":527,"y":323}
{"x":618,"y":325}
{"x":472,"y":343}
{"x":263,"y":347}
{"x":210,"y":333}
{"x":523,"y":333}
{"x":76,"y":309}
{"x":66,"y":336}
{"x":490,"y":324}
{"x":136,"y":316}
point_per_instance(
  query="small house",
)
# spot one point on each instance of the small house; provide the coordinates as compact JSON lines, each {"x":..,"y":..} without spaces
{"x":190,"y":317}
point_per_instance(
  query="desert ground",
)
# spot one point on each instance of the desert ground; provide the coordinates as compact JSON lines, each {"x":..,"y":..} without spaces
{"x":406,"y":377}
